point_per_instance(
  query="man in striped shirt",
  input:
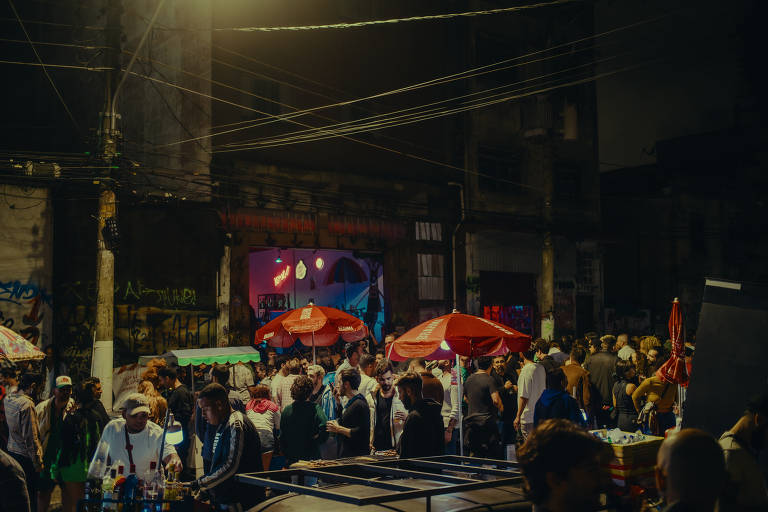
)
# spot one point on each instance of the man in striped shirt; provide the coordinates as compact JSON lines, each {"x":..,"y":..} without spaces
{"x":23,"y":431}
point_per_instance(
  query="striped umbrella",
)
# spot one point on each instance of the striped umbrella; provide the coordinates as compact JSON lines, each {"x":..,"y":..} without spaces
{"x":16,"y":347}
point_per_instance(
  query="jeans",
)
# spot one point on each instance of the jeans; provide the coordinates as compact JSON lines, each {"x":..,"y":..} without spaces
{"x":526,"y":429}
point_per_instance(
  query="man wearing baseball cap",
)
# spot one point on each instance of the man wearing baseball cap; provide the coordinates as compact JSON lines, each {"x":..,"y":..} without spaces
{"x":134,"y":439}
{"x":50,"y":417}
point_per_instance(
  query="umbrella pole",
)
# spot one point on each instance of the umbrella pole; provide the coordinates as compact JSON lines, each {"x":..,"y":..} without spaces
{"x":314,"y":357}
{"x":461,"y":399}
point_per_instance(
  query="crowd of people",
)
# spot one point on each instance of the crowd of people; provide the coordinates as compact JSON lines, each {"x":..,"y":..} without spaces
{"x":354,"y":402}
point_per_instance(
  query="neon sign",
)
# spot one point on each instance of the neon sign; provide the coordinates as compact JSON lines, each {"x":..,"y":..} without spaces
{"x":301,"y":270}
{"x":282,"y":276}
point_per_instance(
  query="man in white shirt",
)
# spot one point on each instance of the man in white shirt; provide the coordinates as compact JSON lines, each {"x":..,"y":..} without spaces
{"x":353,"y":352}
{"x":367,"y":371}
{"x":282,"y":372}
{"x":241,"y":380}
{"x":625,"y":350}
{"x":283,"y":397}
{"x":134,"y":439}
{"x":530,"y":385}
{"x":450,"y":410}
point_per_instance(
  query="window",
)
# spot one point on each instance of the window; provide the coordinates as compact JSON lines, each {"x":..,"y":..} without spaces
{"x":431,"y":276}
{"x":429,"y":231}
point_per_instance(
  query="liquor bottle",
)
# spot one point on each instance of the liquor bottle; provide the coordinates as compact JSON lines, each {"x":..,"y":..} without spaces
{"x":107,"y":491}
{"x":130,"y":486}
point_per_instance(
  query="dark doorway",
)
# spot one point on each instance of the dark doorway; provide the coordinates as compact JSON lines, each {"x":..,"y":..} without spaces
{"x":585,"y":313}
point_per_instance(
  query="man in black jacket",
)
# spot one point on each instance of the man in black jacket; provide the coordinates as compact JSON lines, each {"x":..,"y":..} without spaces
{"x":601,"y":367}
{"x":423,"y":429}
{"x":236,"y":449}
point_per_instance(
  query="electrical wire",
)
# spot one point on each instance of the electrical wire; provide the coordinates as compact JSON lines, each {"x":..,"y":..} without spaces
{"x":390,"y":116}
{"x":248,"y":93}
{"x":391,"y":21}
{"x":50,"y":43}
{"x":61,"y":66}
{"x":54,"y":24}
{"x":452,"y":111}
{"x":463,"y":75}
{"x":40,"y":60}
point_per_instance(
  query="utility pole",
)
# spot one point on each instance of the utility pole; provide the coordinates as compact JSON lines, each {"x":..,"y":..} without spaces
{"x":103,"y":345}
{"x":547,"y":291}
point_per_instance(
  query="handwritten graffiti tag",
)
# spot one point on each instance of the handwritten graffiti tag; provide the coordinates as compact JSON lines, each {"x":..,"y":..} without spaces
{"x":132,"y":292}
{"x":17,"y":292}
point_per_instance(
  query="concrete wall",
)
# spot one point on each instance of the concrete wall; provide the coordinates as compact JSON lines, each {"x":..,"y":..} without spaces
{"x":26,"y":260}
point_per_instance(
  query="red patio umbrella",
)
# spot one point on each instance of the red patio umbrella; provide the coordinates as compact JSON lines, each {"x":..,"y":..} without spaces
{"x":465,"y":335}
{"x":314,"y":326}
{"x":674,"y":370}
{"x":457,"y":334}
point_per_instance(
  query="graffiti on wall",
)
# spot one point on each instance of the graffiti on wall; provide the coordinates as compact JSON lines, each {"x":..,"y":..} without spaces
{"x":23,"y":307}
{"x":133,"y":292}
{"x":147,"y":321}
{"x":151,"y":330}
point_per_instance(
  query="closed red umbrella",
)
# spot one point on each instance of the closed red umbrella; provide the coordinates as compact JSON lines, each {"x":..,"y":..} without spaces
{"x":674,"y":369}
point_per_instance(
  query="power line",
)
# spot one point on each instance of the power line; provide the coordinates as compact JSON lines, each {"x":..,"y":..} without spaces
{"x":248,"y":93}
{"x":50,"y":43}
{"x":391,"y":21}
{"x":62,"y":66}
{"x":390,"y":116}
{"x":455,"y":110}
{"x":54,"y":24}
{"x":439,"y":80}
{"x":37,"y":55}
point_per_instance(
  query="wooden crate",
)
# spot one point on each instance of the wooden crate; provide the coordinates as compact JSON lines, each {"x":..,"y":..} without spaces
{"x":632,"y":457}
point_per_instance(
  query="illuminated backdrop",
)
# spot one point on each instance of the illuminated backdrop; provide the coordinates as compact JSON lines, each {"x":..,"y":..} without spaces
{"x":327,"y":277}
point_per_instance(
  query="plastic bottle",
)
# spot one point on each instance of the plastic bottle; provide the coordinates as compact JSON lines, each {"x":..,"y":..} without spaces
{"x":98,"y":467}
{"x":108,"y":488}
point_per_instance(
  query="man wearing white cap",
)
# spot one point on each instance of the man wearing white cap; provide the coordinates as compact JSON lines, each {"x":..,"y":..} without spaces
{"x":133,"y":439}
{"x":50,"y":417}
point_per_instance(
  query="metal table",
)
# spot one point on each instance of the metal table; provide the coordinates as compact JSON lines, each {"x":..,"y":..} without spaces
{"x":393,"y":480}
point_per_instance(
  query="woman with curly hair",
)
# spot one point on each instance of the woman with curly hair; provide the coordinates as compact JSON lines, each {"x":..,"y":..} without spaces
{"x":157,"y":404}
{"x":302,"y":425}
